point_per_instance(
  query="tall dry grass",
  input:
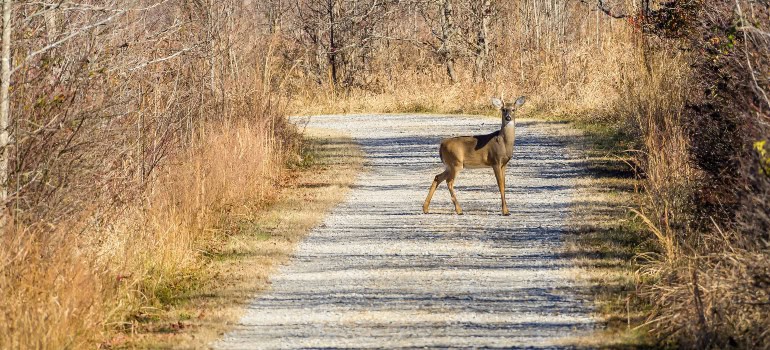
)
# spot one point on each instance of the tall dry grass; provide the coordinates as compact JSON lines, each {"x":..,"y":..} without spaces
{"x":71,"y":289}
{"x":71,"y":278}
{"x":580,"y":77}
{"x":590,"y":89}
{"x":700,"y":114}
{"x":135,"y":147}
{"x":654,"y":99}
{"x":581,"y":82}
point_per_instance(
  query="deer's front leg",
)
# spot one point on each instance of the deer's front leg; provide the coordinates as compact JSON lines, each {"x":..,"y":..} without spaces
{"x":500,"y":176}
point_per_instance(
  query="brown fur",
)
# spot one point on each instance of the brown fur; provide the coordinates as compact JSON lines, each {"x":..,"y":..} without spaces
{"x":492,"y":150}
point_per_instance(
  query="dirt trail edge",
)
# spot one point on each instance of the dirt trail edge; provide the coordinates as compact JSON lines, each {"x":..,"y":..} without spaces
{"x":380,"y":274}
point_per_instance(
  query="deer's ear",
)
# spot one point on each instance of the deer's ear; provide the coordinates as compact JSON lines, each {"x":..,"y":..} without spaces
{"x":496,"y":102}
{"x":521,"y":101}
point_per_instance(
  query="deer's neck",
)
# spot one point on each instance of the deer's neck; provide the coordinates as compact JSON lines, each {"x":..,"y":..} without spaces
{"x":508,"y":134}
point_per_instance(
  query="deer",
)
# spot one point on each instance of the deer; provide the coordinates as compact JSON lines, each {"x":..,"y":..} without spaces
{"x":493,"y":150}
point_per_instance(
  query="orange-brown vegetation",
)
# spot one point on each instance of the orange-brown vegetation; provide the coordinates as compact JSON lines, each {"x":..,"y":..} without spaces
{"x":140,"y":129}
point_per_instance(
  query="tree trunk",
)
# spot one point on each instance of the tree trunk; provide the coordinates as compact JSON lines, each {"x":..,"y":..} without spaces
{"x":447,"y":30}
{"x":332,"y":42}
{"x":450,"y":69}
{"x":5,"y":107}
{"x":482,"y":39}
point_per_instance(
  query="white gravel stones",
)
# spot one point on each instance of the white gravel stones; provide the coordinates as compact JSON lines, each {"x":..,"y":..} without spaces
{"x":380,"y":274}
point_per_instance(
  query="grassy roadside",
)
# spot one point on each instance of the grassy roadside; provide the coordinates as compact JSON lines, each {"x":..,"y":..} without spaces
{"x":605,"y":240}
{"x":255,"y":247}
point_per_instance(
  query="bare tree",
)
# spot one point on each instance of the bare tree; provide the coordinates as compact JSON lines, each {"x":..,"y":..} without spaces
{"x":338,"y":36}
{"x":460,"y":30}
{"x":446,"y":48}
{"x":482,"y":13}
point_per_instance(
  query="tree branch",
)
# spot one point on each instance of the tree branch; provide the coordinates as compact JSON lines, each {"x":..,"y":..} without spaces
{"x":601,"y":6}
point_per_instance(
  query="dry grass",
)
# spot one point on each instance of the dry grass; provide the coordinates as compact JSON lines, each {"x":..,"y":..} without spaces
{"x":703,"y":282}
{"x":72,"y":289}
{"x":634,"y":231}
{"x":580,"y":82}
{"x":137,"y":145}
{"x":72,"y":280}
{"x":605,"y":240}
{"x":256,"y":242}
{"x":706,"y":196}
{"x":655,"y":100}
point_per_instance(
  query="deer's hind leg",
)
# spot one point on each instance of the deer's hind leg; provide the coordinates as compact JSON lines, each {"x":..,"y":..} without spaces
{"x":436,"y":181}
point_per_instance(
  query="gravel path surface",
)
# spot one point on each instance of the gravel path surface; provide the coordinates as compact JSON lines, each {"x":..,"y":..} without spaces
{"x":380,"y":274}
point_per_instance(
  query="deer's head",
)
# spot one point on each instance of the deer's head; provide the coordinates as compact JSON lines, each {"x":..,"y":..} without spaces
{"x":508,"y":109}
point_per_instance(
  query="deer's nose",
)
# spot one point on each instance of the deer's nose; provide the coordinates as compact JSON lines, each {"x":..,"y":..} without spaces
{"x":508,"y":118}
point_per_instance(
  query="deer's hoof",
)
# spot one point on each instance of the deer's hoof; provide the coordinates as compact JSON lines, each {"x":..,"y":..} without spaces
{"x":506,"y":213}
{"x":425,"y":210}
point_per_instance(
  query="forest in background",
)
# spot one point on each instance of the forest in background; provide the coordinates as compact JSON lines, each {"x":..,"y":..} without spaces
{"x":137,"y":129}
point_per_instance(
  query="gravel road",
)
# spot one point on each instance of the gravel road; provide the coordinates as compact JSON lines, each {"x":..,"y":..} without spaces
{"x":380,"y":274}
